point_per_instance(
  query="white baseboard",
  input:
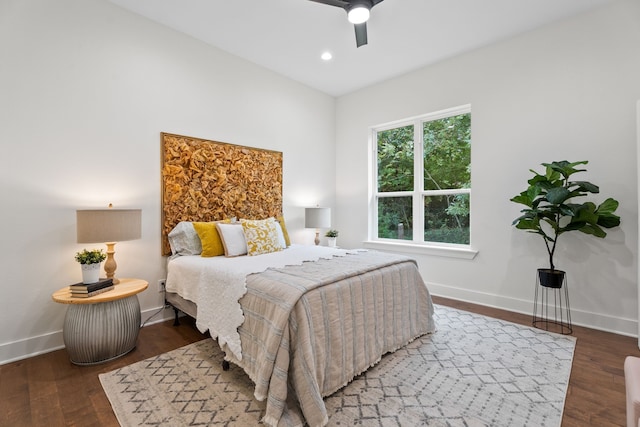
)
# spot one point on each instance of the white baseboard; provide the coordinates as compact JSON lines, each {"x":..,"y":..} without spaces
{"x":29,"y":347}
{"x":156,"y":315}
{"x":616,"y":325}
{"x":33,"y":346}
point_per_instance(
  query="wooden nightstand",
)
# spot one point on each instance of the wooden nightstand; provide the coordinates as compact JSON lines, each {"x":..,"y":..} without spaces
{"x":103,"y":327}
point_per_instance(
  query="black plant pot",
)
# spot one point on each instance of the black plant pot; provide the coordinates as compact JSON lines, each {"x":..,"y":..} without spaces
{"x":551,"y":278}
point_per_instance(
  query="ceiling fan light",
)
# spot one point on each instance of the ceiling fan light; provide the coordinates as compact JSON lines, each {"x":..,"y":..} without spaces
{"x":358,"y":15}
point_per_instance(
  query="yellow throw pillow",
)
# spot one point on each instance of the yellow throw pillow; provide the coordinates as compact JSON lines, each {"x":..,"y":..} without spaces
{"x":280,"y":219}
{"x":209,"y":237}
{"x":261,"y":236}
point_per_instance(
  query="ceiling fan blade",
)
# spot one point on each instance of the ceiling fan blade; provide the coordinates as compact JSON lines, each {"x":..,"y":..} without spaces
{"x":338,"y":3}
{"x":361,"y":34}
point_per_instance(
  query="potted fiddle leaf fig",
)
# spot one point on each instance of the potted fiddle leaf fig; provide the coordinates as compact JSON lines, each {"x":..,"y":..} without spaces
{"x":552,"y":211}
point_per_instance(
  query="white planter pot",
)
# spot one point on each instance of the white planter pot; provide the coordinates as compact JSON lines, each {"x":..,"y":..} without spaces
{"x":90,"y":273}
{"x":332,"y":241}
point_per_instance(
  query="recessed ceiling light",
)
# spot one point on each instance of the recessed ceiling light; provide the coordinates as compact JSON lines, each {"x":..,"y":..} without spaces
{"x":326,"y":56}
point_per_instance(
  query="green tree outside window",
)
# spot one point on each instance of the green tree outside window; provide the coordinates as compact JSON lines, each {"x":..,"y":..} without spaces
{"x":437,"y":190}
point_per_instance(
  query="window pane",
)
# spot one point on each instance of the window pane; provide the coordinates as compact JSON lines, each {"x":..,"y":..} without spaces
{"x":446,"y":219}
{"x":395,"y":218}
{"x":395,"y":159}
{"x":447,"y":153}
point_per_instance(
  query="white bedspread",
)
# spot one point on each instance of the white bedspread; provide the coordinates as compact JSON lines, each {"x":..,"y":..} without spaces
{"x":217,"y":284}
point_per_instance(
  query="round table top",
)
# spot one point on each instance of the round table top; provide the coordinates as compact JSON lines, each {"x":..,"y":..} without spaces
{"x":125,"y":288}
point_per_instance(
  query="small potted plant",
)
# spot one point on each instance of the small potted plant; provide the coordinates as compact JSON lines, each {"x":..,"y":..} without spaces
{"x":332,"y":237}
{"x":551,"y":212}
{"x":90,"y":264}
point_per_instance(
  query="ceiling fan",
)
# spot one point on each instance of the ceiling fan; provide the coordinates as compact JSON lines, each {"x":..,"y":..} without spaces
{"x":357,"y":13}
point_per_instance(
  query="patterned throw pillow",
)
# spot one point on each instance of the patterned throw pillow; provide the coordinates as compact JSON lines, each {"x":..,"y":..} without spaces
{"x":261,"y":236}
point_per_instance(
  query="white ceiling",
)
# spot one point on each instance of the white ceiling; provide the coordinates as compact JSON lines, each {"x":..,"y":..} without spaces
{"x":288,"y":36}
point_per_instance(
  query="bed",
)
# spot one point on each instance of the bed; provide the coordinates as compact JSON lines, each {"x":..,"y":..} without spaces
{"x":309,"y":329}
{"x":302,"y":321}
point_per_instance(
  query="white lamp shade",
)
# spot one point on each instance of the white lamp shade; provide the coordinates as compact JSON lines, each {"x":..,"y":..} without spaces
{"x":317,"y":217}
{"x":108,"y":225}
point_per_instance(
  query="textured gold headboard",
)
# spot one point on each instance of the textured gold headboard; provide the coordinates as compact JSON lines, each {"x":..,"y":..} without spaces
{"x":208,"y":180}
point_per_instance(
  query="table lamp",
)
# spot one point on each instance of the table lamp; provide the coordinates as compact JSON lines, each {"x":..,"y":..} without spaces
{"x":317,"y":218}
{"x":109,"y":226}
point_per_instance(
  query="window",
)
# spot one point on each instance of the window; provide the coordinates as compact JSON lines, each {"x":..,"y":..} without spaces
{"x":422,"y":173}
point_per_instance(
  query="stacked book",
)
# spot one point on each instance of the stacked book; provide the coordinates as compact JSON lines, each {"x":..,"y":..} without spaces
{"x":81,"y":290}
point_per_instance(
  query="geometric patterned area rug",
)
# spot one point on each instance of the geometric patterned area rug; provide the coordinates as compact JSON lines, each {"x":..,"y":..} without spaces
{"x":473,"y":371}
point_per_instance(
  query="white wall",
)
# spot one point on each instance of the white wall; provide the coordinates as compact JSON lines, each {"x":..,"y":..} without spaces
{"x":566,"y":91}
{"x":85,"y":90}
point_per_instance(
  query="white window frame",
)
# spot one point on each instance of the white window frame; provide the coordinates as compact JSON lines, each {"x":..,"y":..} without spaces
{"x":417,"y":244}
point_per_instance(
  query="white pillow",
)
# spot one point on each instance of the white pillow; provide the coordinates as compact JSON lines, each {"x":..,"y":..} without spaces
{"x":233,"y":240}
{"x":184,"y":239}
{"x":281,"y":238}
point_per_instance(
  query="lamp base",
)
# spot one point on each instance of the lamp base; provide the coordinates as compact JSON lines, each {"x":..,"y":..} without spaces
{"x":317,"y":240}
{"x":110,"y":264}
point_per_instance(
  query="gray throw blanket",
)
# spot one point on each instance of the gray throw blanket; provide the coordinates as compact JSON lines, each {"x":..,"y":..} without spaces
{"x":310,"y":329}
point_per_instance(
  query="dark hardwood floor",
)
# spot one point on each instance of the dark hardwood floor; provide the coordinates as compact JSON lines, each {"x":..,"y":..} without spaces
{"x":48,"y":390}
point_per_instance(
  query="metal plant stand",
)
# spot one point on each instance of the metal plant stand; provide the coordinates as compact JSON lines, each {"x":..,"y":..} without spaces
{"x":551,"y":309}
